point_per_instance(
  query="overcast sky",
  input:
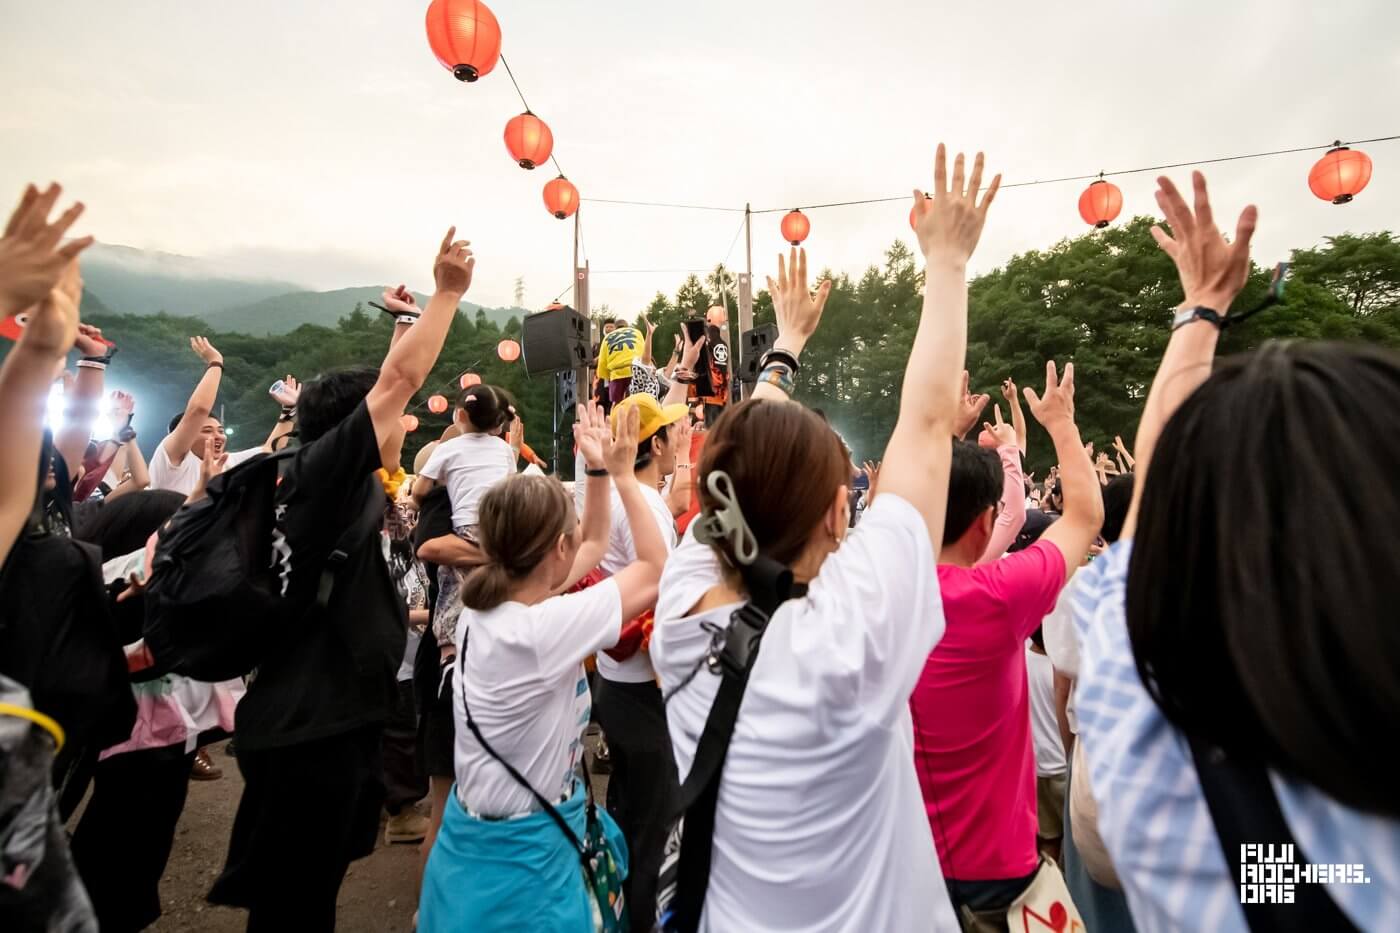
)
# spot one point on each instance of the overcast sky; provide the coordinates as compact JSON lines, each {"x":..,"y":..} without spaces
{"x":323,"y":143}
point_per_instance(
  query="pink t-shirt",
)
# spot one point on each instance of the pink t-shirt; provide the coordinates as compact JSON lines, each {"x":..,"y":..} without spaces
{"x":972,"y":724}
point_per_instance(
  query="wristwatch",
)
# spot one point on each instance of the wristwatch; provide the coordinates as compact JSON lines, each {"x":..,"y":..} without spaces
{"x":1198,"y":313}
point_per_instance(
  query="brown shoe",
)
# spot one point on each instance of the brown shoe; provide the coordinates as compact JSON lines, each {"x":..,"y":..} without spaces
{"x":204,"y":768}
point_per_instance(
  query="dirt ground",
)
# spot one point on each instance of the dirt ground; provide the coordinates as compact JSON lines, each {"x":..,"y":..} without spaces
{"x":380,"y":892}
{"x":379,"y":895}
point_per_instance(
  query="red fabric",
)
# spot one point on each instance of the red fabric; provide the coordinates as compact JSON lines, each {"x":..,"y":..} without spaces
{"x":636,"y":635}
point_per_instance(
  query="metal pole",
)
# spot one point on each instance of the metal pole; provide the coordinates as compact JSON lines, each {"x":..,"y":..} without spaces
{"x":745,"y":306}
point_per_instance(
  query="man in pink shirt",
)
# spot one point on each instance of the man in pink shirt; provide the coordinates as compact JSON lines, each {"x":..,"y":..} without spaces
{"x":971,"y":708}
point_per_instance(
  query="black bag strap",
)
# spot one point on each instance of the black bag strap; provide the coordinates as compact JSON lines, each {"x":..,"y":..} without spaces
{"x":520,"y":779}
{"x":769,"y":584}
{"x":372,"y":512}
{"x":1245,"y":809}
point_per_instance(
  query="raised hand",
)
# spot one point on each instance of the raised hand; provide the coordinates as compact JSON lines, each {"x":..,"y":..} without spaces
{"x":620,"y":454}
{"x":871,"y":469}
{"x":206,"y":351}
{"x":122,"y":405}
{"x":690,"y":356}
{"x":680,"y":434}
{"x":1056,"y":406}
{"x":996,"y":435}
{"x":592,"y":434}
{"x":288,"y":394}
{"x":1008,"y":390}
{"x":515,"y":435}
{"x":949,"y":223}
{"x":89,"y":341}
{"x":969,"y":408}
{"x":400,"y":300}
{"x":648,"y":325}
{"x":797,"y":308}
{"x":53,"y":324}
{"x":1212,"y":269}
{"x":31,"y":259}
{"x":452,"y":270}
{"x":210,"y":466}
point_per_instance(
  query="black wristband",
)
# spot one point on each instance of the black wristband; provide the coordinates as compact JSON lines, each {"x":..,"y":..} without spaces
{"x":216,"y":363}
{"x":776,"y":355}
{"x":590,"y":472}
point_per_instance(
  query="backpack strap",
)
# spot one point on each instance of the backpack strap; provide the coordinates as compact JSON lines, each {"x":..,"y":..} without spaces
{"x":769,"y":584}
{"x":1245,"y":809}
{"x":371,"y":514}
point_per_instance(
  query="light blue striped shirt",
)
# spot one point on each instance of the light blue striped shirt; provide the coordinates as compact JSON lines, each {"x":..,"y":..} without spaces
{"x":1152,"y":814}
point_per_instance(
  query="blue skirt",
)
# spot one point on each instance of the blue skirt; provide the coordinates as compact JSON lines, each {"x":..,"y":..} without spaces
{"x":511,"y":875}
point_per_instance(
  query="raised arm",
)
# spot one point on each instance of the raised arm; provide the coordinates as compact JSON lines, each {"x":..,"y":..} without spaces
{"x":1012,"y":516}
{"x":1212,"y":272}
{"x":1125,"y":459}
{"x":286,"y":396}
{"x":646,"y":345}
{"x":1082,"y":517}
{"x":683,"y":377}
{"x":81,"y":401}
{"x":949,"y":224}
{"x":1018,"y":419}
{"x":638,"y":580}
{"x":201,"y":404}
{"x":798,"y":310}
{"x":683,"y":479}
{"x":594,"y":439}
{"x":31,"y":264}
{"x":412,"y":356}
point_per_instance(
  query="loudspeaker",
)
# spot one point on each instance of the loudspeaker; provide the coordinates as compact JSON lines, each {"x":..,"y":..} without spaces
{"x":554,"y":340}
{"x":756,"y":342}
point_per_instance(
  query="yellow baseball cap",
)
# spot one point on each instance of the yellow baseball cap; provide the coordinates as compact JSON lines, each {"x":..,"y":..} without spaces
{"x":653,"y":416}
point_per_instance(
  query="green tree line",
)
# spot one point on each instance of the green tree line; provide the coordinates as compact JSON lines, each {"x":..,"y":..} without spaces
{"x":1102,"y":300}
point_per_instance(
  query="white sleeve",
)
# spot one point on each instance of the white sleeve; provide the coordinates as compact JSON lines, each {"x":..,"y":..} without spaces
{"x":121,"y":568}
{"x":437,"y":463}
{"x":878,"y":594}
{"x":576,"y":625}
{"x":1061,"y":643}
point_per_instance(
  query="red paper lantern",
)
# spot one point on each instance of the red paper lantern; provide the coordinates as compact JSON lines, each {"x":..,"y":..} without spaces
{"x":560,"y":197}
{"x":464,"y":36}
{"x":913,"y":215}
{"x":796,"y":226}
{"x":1340,"y":174}
{"x":1100,"y":203}
{"x":410,"y":423}
{"x":508,"y":350}
{"x":529,"y":140}
{"x":468,"y":380}
{"x":437,"y":404}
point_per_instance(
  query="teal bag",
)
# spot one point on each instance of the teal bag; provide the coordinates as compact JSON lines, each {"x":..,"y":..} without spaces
{"x":603,"y":869}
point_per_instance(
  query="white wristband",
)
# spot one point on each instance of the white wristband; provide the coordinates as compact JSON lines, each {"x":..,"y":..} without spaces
{"x":406,"y":319}
{"x":91,"y":364}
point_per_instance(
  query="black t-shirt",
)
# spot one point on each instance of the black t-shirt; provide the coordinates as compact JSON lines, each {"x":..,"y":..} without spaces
{"x":336,"y":670}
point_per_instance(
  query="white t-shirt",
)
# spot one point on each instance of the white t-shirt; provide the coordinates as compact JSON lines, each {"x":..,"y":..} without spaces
{"x":184,"y":477}
{"x":1062,"y":644}
{"x":525,"y":682}
{"x":622,"y":551}
{"x":1045,"y":727}
{"x":820,"y":824}
{"x":468,"y":466}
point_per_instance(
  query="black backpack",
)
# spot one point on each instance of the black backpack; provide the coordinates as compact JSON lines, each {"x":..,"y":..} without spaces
{"x":218,"y":594}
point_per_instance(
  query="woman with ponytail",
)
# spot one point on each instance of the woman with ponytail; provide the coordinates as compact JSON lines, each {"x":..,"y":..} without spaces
{"x":824,"y":728}
{"x":503,"y":859}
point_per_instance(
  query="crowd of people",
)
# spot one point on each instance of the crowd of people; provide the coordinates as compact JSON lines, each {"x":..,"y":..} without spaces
{"x":1148,"y":692}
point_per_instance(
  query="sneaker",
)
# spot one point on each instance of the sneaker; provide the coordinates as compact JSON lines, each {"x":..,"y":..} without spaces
{"x":407,"y":826}
{"x":204,"y":768}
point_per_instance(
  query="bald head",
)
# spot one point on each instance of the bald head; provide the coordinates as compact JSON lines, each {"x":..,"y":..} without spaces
{"x":717,"y":316}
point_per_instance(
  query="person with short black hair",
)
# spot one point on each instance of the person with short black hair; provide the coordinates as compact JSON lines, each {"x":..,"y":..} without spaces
{"x":317,"y":704}
{"x":971,"y":706}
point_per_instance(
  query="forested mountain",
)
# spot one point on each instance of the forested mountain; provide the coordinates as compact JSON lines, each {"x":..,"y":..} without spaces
{"x":1102,"y":300}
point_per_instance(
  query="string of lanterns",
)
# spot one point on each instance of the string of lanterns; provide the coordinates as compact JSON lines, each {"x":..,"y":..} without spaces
{"x":1337,"y":177}
{"x":466,"y":38}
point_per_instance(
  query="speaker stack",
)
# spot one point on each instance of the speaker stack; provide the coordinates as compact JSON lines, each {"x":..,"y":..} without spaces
{"x":756,"y":342}
{"x":554,"y":340}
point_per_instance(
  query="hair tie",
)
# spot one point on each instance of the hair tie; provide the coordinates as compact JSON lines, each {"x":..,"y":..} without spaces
{"x":726,"y":522}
